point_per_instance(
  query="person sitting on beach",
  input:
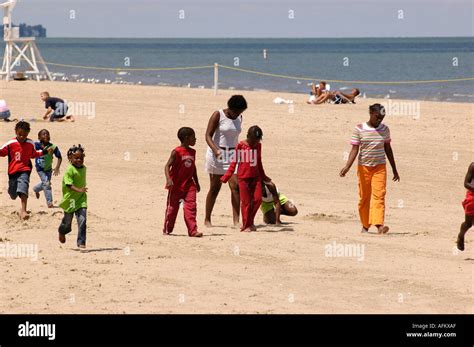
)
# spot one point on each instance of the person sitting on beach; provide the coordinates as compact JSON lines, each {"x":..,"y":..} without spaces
{"x":275,"y":204}
{"x":317,"y":91}
{"x":5,"y":112}
{"x":56,"y":109}
{"x":338,"y":97}
{"x":342,"y":98}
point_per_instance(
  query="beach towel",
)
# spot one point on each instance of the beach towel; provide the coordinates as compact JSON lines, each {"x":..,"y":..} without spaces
{"x":279,"y":100}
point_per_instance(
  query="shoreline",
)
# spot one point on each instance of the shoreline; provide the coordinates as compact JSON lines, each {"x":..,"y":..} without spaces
{"x":3,"y":83}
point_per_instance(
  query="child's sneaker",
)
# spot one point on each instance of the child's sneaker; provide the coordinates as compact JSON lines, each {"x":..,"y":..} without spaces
{"x":82,"y":246}
{"x":196,"y":234}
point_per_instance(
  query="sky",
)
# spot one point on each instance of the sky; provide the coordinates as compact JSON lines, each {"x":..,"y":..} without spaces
{"x":248,"y":18}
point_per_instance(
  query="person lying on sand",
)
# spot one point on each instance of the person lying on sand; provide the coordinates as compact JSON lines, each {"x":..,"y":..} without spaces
{"x":275,"y":204}
{"x":56,"y":109}
{"x":468,"y":205}
{"x":338,"y":97}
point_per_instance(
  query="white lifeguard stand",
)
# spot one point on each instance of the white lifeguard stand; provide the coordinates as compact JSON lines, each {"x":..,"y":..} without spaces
{"x":18,"y":49}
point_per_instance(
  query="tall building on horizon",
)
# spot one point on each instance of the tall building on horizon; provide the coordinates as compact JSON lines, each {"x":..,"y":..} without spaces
{"x":28,"y":30}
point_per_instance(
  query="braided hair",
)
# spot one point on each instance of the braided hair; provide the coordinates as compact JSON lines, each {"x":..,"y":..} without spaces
{"x":74,"y":149}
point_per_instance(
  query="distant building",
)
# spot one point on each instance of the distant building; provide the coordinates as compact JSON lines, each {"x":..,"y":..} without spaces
{"x":28,"y":30}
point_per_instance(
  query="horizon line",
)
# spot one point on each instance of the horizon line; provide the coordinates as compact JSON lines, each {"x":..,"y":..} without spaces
{"x":262,"y":37}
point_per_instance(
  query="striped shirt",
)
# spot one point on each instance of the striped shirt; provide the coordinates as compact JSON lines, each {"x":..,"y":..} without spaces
{"x":371,"y":142}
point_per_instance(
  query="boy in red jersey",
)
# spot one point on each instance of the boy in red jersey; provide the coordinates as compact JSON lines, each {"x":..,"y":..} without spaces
{"x":250,"y":174}
{"x":20,"y":151}
{"x":468,"y":205}
{"x":182,"y":183}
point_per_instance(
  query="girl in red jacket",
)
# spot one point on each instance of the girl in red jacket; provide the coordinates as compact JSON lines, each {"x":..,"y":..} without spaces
{"x":250,"y":174}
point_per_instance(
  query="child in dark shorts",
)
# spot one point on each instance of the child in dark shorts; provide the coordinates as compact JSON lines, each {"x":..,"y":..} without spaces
{"x":20,"y":151}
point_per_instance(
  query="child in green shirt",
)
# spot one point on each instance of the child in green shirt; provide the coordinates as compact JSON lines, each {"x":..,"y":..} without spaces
{"x":74,"y":196}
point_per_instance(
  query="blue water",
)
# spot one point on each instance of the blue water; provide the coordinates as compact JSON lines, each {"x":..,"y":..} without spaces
{"x":383,"y":59}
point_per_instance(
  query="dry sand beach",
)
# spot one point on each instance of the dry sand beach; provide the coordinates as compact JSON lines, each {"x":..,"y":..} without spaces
{"x":129,"y":267}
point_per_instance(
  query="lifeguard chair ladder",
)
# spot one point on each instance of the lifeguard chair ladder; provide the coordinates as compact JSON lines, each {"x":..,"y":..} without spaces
{"x":18,"y":49}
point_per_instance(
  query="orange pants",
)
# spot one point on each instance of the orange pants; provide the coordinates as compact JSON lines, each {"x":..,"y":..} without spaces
{"x":372,"y":189}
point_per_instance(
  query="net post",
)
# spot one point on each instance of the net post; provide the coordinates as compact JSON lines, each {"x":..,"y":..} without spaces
{"x":216,"y":78}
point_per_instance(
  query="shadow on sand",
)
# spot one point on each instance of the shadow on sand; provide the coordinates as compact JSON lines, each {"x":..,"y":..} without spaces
{"x":97,"y":250}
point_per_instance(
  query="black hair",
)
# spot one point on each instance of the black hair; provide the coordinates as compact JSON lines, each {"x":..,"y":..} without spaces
{"x":377,"y":108}
{"x":237,"y":102}
{"x":74,"y":149}
{"x":39,"y":132}
{"x":255,"y":132}
{"x":22,"y":125}
{"x":357,"y":91}
{"x":184,"y":133}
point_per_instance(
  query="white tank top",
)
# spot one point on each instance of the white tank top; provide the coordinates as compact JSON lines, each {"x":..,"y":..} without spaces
{"x":228,"y":131}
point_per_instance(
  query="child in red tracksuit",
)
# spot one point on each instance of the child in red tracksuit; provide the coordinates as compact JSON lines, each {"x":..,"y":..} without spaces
{"x":468,"y":205}
{"x":20,"y":151}
{"x":182,"y":183}
{"x":250,"y":174}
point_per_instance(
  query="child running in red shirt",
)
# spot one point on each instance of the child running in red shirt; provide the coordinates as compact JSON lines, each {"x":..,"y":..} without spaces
{"x":20,"y":151}
{"x":250,"y":174}
{"x":468,"y":205}
{"x":182,"y":183}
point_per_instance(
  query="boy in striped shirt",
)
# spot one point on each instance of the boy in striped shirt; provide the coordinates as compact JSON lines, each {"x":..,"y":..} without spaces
{"x":20,"y":151}
{"x":371,"y":141}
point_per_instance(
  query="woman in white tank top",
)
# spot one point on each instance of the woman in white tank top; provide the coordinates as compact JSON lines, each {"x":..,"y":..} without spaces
{"x":222,"y":136}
